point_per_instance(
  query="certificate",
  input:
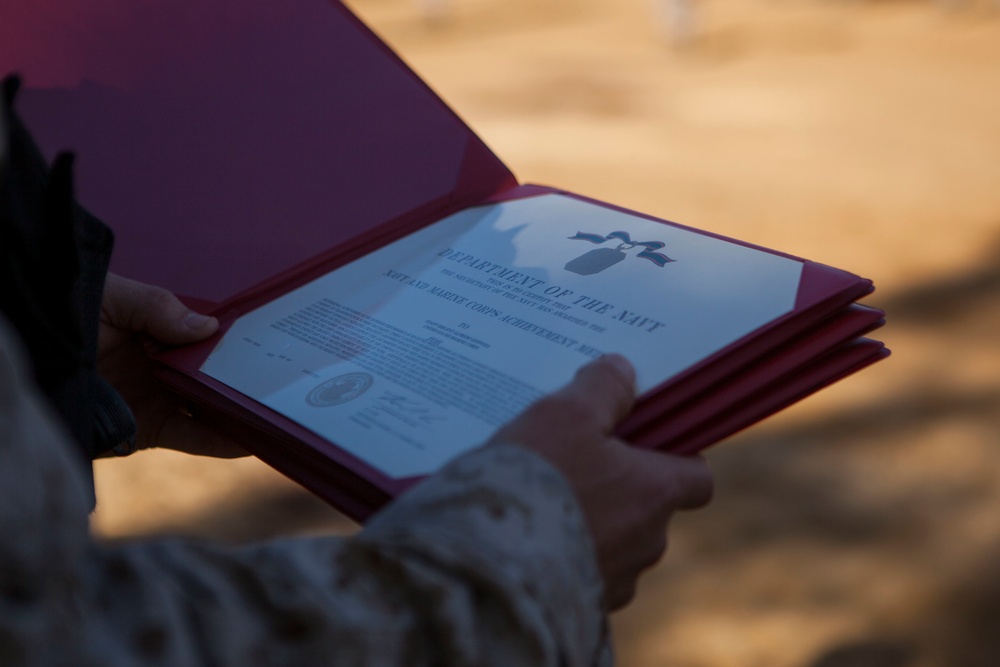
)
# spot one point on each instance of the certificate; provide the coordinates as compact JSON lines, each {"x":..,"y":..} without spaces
{"x":388,"y":292}
{"x":419,"y":350}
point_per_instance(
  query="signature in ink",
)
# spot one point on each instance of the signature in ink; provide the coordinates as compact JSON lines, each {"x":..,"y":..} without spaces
{"x":408,"y":410}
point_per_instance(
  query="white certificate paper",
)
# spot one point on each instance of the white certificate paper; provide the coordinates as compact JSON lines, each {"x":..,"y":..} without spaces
{"x":418,"y":351}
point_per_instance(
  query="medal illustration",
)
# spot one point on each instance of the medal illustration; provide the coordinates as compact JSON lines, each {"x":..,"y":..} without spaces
{"x":596,"y":260}
{"x":340,"y":389}
{"x":599,"y":259}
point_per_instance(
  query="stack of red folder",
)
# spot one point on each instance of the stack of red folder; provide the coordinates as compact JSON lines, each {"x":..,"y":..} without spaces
{"x":241,"y":148}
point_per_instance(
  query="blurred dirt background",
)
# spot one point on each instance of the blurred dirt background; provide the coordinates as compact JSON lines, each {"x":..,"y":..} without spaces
{"x":861,"y":527}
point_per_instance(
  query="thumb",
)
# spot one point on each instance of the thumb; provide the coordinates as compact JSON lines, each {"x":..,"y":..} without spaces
{"x":605,"y":388}
{"x":139,"y":308}
{"x":681,"y":482}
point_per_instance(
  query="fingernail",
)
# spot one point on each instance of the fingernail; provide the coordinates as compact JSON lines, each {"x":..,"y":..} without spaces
{"x":196,"y":320}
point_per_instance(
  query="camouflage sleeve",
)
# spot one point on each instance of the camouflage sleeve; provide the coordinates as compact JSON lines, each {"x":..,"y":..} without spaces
{"x":486,"y":563}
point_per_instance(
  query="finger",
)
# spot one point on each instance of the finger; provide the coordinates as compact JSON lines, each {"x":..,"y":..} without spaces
{"x":141,"y":308}
{"x":185,"y":433}
{"x":605,"y":388}
{"x":620,"y":586}
{"x":684,"y":482}
{"x":619,"y":595}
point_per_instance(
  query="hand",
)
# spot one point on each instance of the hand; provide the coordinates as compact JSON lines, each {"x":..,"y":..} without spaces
{"x":628,"y":495}
{"x":134,"y":315}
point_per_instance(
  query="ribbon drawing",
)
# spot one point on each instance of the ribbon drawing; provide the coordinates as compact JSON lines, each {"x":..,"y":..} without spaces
{"x":649,"y":247}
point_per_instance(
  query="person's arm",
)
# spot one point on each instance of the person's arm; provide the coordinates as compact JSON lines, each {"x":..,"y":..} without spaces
{"x":490,"y":561}
{"x":455,"y":573}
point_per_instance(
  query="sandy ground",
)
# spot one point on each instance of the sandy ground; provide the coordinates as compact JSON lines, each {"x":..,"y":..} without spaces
{"x":862,"y":527}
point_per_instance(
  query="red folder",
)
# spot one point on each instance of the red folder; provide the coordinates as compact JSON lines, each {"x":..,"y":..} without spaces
{"x":242,"y":148}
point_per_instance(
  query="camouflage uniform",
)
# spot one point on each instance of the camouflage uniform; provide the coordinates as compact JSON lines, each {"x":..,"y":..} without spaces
{"x":486,"y":563}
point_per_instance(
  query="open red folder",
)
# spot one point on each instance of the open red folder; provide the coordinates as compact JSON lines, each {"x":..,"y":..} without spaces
{"x":242,"y":149}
